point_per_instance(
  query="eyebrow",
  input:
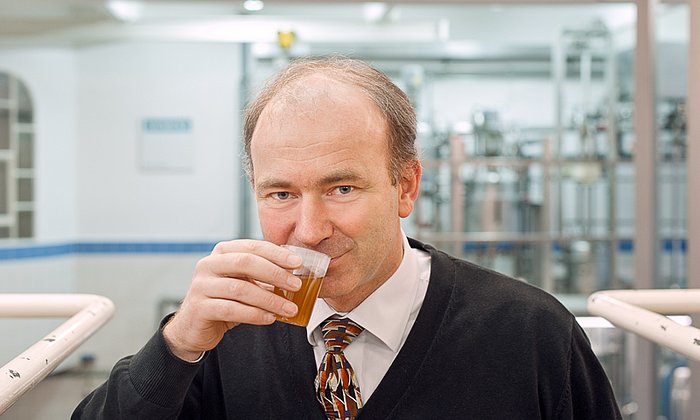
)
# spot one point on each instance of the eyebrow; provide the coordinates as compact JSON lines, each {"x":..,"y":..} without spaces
{"x":332,"y":178}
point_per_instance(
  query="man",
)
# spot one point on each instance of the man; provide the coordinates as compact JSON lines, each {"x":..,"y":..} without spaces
{"x":330,"y":148}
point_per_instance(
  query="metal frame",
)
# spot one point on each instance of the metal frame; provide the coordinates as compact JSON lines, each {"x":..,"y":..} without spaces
{"x":88,"y":313}
{"x":693,"y":175}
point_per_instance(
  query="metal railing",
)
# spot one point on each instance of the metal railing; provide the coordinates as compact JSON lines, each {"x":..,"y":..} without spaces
{"x":88,"y":313}
{"x":643,"y":312}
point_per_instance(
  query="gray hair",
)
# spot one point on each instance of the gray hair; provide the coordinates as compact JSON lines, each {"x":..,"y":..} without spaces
{"x":391,"y":101}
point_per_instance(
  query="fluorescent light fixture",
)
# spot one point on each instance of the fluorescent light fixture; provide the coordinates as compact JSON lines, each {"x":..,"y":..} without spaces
{"x":125,"y":10}
{"x":253,"y":5}
{"x":374,"y":11}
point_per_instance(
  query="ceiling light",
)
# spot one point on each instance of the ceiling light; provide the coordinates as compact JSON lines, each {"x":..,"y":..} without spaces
{"x":253,"y":5}
{"x":375,"y":12}
{"x":126,"y":10}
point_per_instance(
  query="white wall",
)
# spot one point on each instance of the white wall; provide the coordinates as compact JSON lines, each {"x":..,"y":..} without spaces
{"x":118,"y":200}
{"x":121,"y":84}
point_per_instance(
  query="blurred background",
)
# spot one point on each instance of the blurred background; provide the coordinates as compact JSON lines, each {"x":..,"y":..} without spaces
{"x":120,"y":143}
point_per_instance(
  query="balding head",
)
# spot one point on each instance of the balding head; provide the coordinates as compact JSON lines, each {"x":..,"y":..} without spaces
{"x":289,"y":88}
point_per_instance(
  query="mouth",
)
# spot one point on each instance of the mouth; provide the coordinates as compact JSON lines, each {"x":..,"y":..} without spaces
{"x":335,"y":260}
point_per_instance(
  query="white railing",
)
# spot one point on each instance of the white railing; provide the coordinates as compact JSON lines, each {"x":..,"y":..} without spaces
{"x":640,"y":311}
{"x":88,"y":313}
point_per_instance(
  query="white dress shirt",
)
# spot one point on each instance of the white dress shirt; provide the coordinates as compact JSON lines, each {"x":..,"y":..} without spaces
{"x":387,"y":316}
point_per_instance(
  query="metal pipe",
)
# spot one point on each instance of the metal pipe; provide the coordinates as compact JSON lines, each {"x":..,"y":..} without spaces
{"x":644,"y":367}
{"x":458,"y":204}
{"x":511,"y":162}
{"x":244,"y":221}
{"x":613,"y":156}
{"x":547,"y":260}
{"x":639,"y":311}
{"x":88,"y":313}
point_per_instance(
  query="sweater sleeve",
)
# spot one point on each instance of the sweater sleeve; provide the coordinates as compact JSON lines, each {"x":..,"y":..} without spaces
{"x":152,"y":384}
{"x":588,"y":393}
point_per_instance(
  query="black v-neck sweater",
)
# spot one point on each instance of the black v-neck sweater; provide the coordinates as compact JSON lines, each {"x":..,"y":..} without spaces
{"x":484,"y":346}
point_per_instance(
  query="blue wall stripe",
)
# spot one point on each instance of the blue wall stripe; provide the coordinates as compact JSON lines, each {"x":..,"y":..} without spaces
{"x":35,"y":251}
{"x":144,"y":247}
{"x":42,"y":251}
{"x":623,"y":246}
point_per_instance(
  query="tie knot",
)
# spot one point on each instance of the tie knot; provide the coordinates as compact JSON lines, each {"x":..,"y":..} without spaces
{"x":339,"y":332}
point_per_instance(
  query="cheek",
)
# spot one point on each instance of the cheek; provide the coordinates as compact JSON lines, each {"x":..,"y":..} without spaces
{"x":274,"y":225}
{"x":349,"y":222}
{"x":361,"y":218}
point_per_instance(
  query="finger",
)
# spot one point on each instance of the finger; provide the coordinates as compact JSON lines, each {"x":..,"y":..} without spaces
{"x":223,"y":310}
{"x":265,"y":249}
{"x":265,"y":286}
{"x":250,"y":267}
{"x":249,"y":294}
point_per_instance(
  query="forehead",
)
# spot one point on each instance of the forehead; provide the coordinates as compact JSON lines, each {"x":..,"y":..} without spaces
{"x":321,"y":123}
{"x":309,"y":93}
{"x":318,"y":106}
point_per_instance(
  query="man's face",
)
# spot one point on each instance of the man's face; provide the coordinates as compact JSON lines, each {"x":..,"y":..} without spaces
{"x":321,"y":180}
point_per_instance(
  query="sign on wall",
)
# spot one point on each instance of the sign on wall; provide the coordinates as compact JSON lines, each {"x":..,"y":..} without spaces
{"x":167,"y":144}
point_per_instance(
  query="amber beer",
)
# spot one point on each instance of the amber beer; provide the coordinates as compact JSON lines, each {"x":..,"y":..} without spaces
{"x":311,"y":273}
{"x":304,"y":298}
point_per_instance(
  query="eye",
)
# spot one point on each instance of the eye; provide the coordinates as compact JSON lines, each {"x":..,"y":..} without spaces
{"x":344,"y":189}
{"x":281,"y":195}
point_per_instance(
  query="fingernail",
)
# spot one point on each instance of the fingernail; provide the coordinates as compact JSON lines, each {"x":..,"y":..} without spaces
{"x":294,"y":260}
{"x":289,"y":308}
{"x":294,"y":282}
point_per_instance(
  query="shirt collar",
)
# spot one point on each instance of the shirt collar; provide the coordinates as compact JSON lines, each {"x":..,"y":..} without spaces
{"x":385,"y":312}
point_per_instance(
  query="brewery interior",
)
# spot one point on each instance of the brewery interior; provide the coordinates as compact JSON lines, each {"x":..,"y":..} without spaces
{"x":554,"y":139}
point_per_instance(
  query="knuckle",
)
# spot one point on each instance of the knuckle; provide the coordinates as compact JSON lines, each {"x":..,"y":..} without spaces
{"x":280,"y":277}
{"x":273,"y":302}
{"x":252,"y":246}
{"x":196,"y":288}
{"x":238,"y":259}
{"x":235,"y":288}
{"x":261,"y":317}
{"x":226,"y":310}
{"x":202,"y":265}
{"x":219,"y":247}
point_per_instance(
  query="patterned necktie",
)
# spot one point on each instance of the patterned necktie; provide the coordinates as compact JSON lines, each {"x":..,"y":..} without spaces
{"x":336,"y":386}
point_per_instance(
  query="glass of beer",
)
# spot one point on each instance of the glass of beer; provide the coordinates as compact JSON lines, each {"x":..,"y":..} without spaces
{"x":311,"y":273}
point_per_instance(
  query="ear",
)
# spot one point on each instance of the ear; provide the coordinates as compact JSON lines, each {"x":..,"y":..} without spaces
{"x":408,"y":188}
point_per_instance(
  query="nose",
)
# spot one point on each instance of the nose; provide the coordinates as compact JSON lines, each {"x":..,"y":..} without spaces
{"x":313,"y":223}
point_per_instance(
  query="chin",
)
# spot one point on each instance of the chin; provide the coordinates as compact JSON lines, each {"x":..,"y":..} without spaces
{"x":331,"y":289}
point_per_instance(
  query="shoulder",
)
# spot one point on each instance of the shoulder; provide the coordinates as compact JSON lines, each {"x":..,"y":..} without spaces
{"x":477,"y":291}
